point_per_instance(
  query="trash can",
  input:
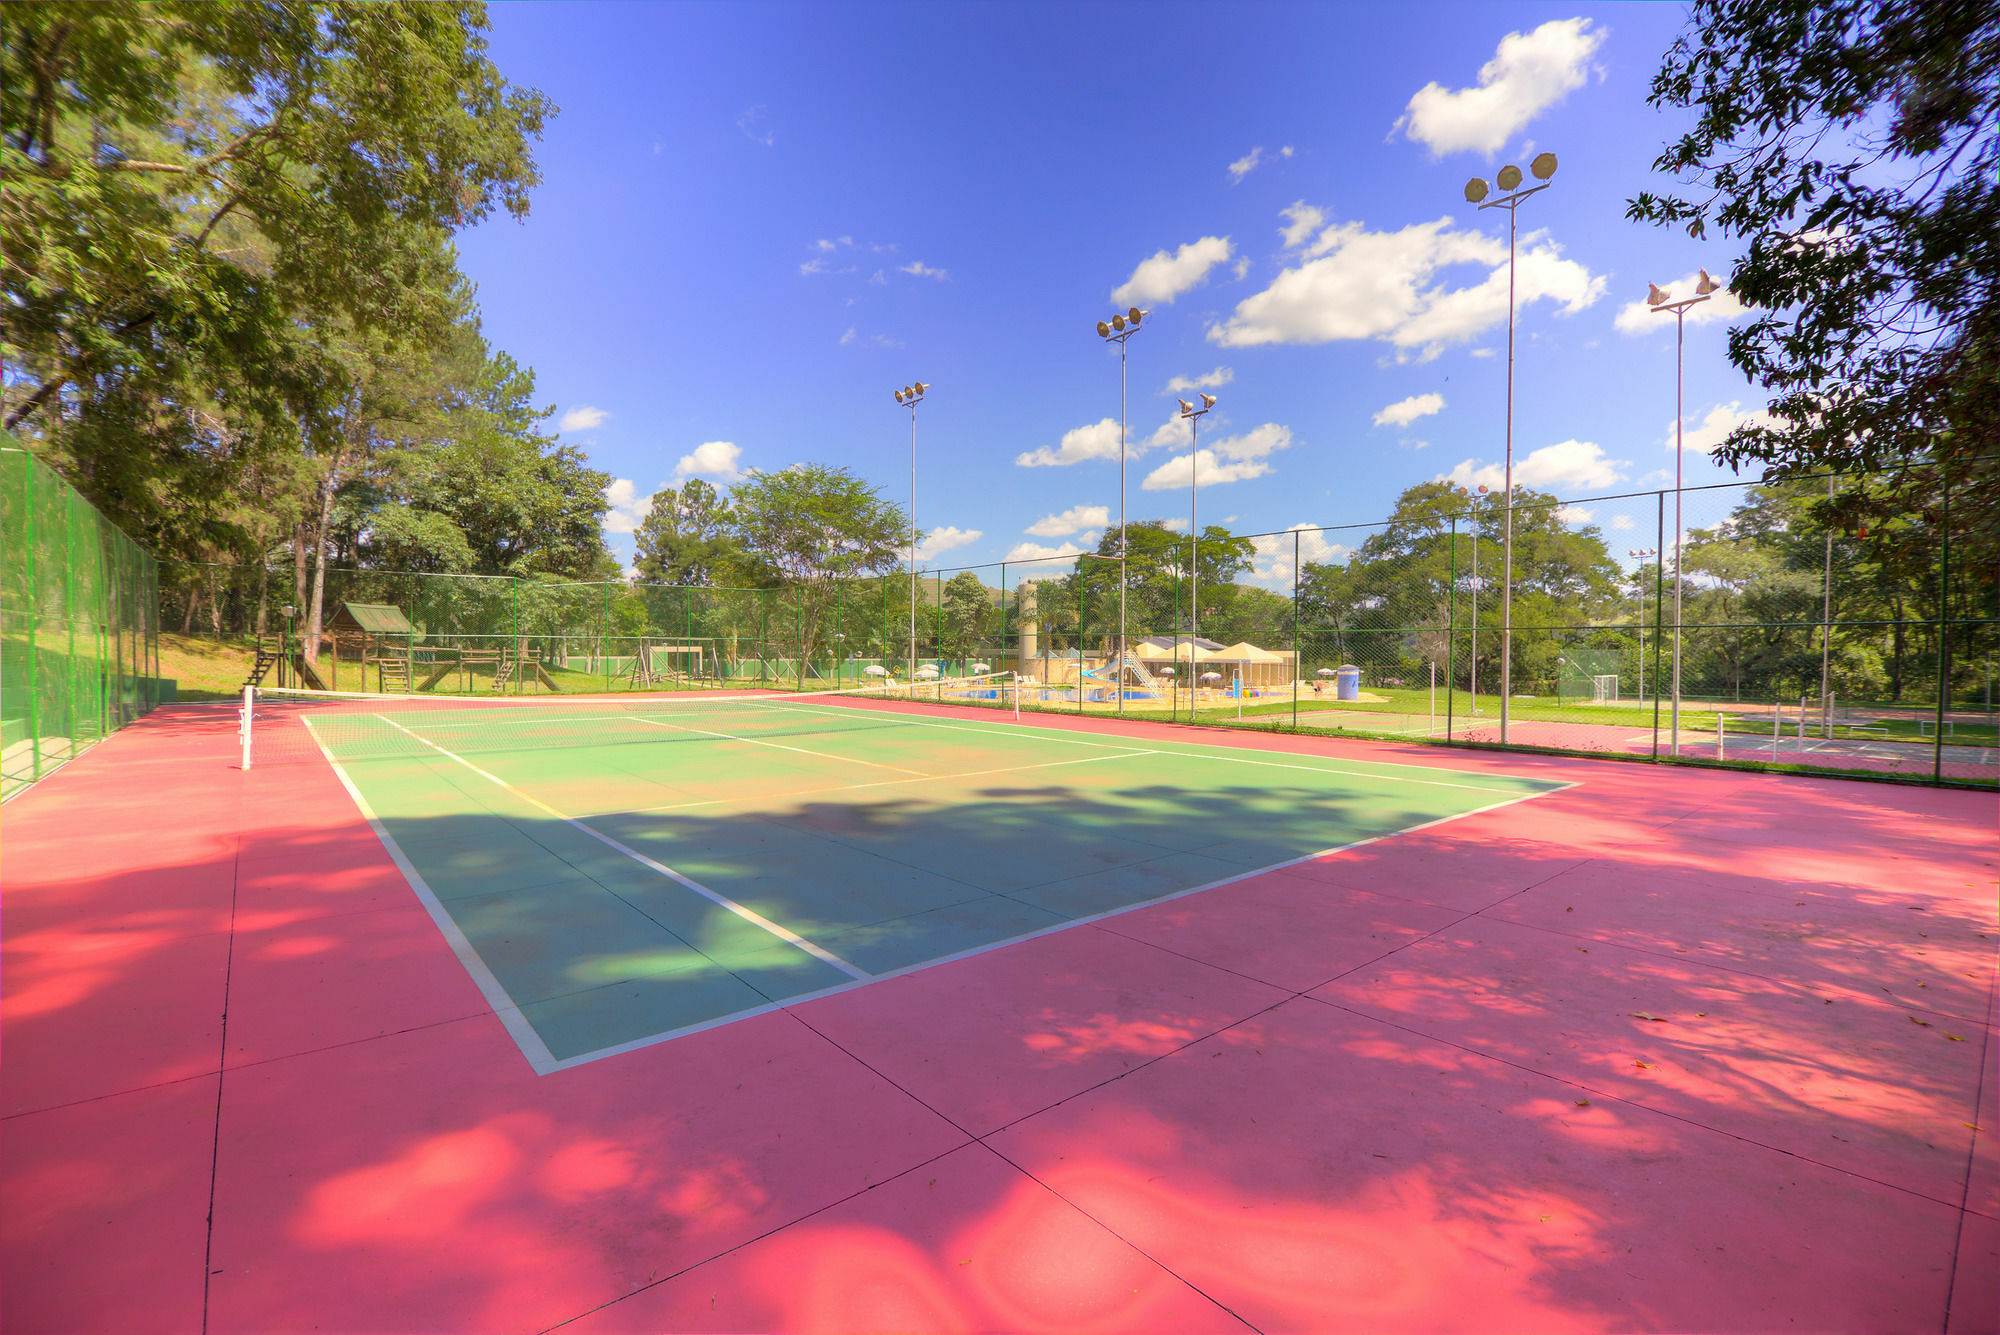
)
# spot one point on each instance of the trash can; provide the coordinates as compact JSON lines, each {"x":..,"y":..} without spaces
{"x":1347,"y":682}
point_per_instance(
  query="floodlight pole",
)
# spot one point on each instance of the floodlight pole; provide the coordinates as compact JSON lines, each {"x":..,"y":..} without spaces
{"x":1191,"y":416}
{"x":1117,"y":330}
{"x":1680,"y":310}
{"x":909,"y":396}
{"x":1639,"y":584}
{"x":1511,"y":203}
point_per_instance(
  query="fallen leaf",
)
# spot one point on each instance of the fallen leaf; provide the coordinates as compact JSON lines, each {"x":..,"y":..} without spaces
{"x":1642,"y":1015}
{"x":1956,"y":1038}
{"x":1644,"y":1066}
{"x":1583,"y":1103}
{"x":1925,"y":1023}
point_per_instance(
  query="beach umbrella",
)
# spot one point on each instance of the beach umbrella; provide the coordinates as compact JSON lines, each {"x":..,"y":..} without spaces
{"x":1164,"y":672}
{"x":876,"y":670}
{"x":1324,"y":672}
{"x":982,"y":667}
{"x":1211,"y":676}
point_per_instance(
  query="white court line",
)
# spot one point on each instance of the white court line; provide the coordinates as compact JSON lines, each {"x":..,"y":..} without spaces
{"x":883,"y":783}
{"x":650,"y":1040}
{"x":778,"y":746}
{"x":1214,"y":753}
{"x":537,"y":1052}
{"x":748,"y":915}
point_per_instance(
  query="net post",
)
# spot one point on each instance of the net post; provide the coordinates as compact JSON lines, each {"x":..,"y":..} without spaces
{"x":1718,"y":736}
{"x":243,"y":722}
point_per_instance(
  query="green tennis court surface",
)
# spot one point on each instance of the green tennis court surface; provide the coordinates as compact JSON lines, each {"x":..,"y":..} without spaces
{"x":614,"y":877}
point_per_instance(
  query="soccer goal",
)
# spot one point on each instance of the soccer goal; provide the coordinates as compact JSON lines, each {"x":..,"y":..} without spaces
{"x":1604,"y":689}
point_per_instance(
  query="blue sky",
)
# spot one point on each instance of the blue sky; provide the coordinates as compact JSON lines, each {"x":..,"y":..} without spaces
{"x":758,"y":221}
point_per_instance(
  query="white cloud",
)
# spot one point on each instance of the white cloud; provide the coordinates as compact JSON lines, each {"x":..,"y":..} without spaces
{"x":1073,"y":520}
{"x":918,"y":269}
{"x":1301,"y":221}
{"x":583,"y":417}
{"x":756,"y":126}
{"x":884,"y":341}
{"x":1703,"y":436}
{"x":1621,"y":522}
{"x":1235,"y":459}
{"x":1285,"y":152}
{"x":878,"y":279}
{"x":1099,"y":440}
{"x":1568,"y":465}
{"x":1355,"y":284}
{"x":628,"y":508}
{"x":1529,"y":73}
{"x":1220,"y":376}
{"x":1174,"y":525}
{"x":942,"y":539}
{"x":1246,"y":164}
{"x":1165,"y":276}
{"x":1242,"y":267}
{"x":1408,"y":410}
{"x":1273,"y":562}
{"x":819,"y":264}
{"x":847,"y":337}
{"x":1173,"y":431}
{"x":1575,"y":514}
{"x":1637,"y":318}
{"x":715,"y":458}
{"x":1035,"y":551}
{"x":1413,"y":444}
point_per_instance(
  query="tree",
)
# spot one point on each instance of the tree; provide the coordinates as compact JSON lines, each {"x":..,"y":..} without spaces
{"x":206,"y":204}
{"x":1389,"y":604}
{"x":968,"y":612}
{"x":810,"y":526}
{"x":685,"y":539}
{"x":1855,"y":146}
{"x":1157,"y":596}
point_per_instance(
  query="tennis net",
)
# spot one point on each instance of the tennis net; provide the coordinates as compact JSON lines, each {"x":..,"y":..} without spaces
{"x":276,"y":725}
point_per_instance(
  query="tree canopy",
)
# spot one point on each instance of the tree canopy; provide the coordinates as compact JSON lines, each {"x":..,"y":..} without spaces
{"x":1854,"y":147}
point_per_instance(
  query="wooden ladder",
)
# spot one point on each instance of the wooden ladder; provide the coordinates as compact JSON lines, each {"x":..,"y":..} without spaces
{"x":266,"y":659}
{"x":393,"y":672}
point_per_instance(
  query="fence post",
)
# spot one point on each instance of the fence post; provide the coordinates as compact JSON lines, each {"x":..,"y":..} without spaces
{"x":1451,"y":631}
{"x":1944,"y":625}
{"x":69,"y":619}
{"x":1298,"y":650}
{"x":1001,"y":649}
{"x":1659,"y":614}
{"x":34,"y":591}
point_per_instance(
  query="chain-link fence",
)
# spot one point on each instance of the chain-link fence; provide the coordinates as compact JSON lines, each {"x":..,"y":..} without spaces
{"x":1841,"y":624}
{"x":79,"y":653}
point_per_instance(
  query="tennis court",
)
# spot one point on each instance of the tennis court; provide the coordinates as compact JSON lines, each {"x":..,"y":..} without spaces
{"x":616,"y":873}
{"x":1162,"y":1029}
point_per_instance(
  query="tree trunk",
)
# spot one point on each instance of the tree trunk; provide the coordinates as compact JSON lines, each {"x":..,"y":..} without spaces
{"x":193,"y":602}
{"x":263,"y":595}
{"x":299,"y":564}
{"x":1896,"y":660}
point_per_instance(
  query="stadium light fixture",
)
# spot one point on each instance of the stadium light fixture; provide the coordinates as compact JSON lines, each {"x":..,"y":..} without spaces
{"x":1117,"y":330}
{"x":1513,"y":194}
{"x":1663,"y":303}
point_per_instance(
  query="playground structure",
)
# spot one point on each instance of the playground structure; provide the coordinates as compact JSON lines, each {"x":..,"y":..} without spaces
{"x":1158,"y":672}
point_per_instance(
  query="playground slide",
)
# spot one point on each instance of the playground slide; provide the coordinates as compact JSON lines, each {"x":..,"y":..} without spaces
{"x":307,"y":674}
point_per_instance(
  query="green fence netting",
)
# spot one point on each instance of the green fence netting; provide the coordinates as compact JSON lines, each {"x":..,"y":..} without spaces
{"x":1775,"y":625}
{"x":79,"y":650}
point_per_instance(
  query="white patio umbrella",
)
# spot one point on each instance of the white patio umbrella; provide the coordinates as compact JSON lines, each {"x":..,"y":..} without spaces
{"x":876,"y":670}
{"x":1211,"y":676}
